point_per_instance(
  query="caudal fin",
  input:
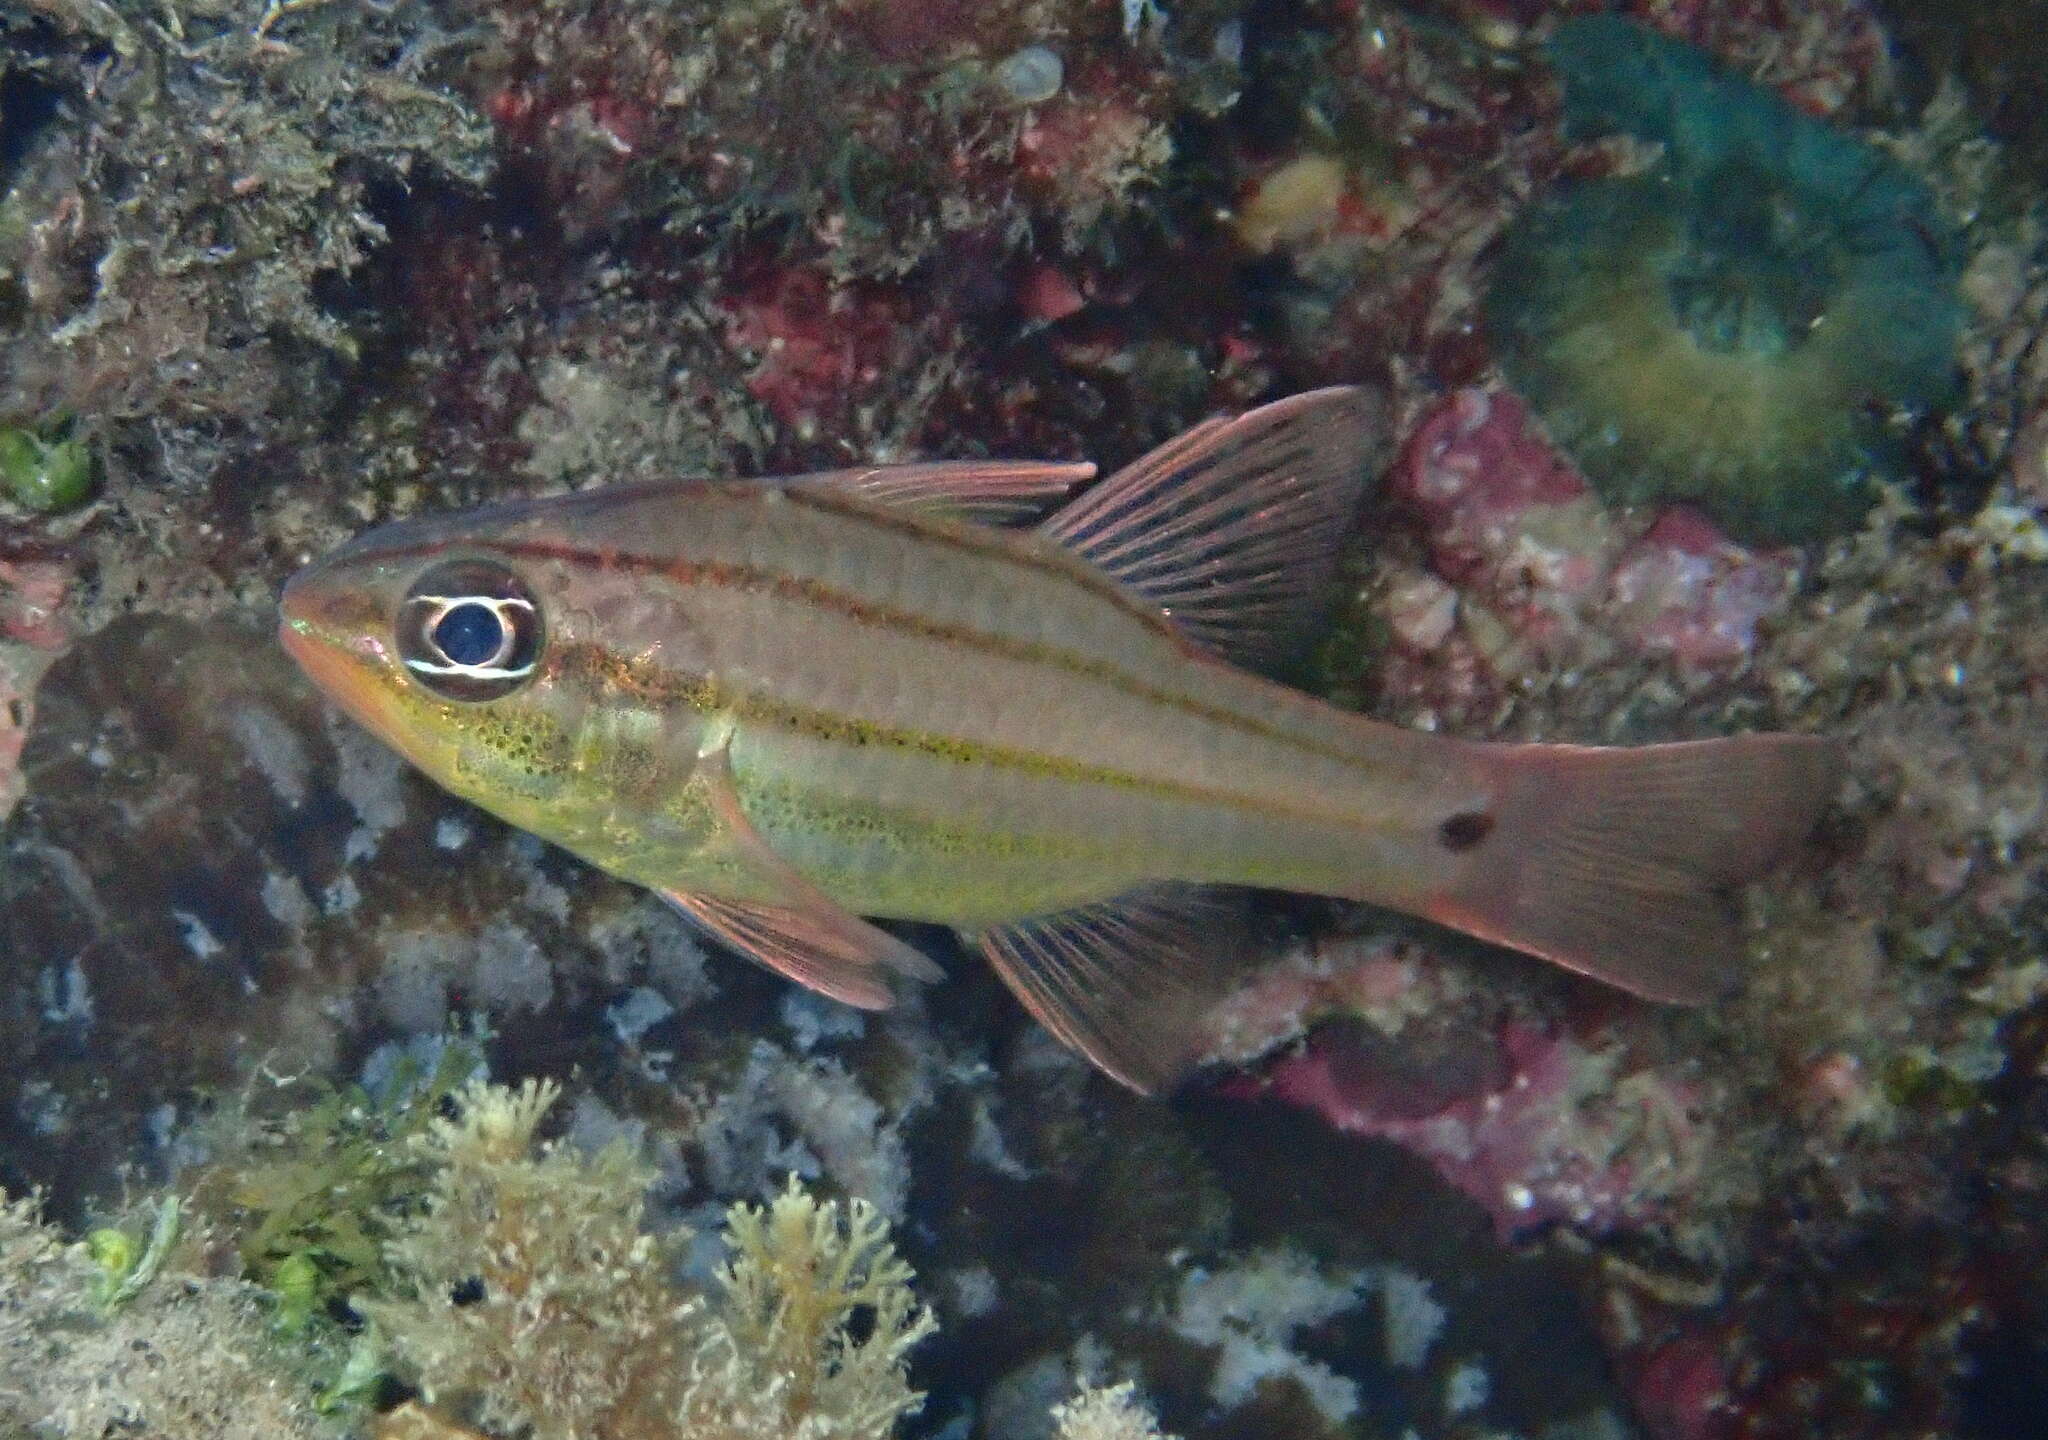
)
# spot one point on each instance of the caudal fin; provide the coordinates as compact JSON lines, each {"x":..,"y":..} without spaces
{"x":1619,"y":863}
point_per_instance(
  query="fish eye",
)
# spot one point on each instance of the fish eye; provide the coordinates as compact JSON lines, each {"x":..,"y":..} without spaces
{"x":470,"y":633}
{"x":470,"y":630}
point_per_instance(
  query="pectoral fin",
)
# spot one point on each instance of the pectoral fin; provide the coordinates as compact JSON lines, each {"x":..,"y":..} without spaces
{"x":1127,"y":982}
{"x":828,"y":951}
{"x":802,"y":932}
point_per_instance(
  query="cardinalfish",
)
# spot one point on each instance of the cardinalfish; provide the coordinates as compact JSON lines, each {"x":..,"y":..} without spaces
{"x":789,"y":704}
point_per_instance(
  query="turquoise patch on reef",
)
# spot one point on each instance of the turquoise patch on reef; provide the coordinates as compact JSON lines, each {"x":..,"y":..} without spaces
{"x":1746,"y":325}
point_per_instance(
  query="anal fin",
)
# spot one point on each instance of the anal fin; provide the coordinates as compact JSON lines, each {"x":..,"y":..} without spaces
{"x":802,"y":932}
{"x":1127,"y":982}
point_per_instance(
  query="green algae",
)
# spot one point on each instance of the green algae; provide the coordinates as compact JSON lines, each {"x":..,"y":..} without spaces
{"x":315,"y":1196}
{"x":126,"y":1265}
{"x":46,"y":475}
{"x":1748,"y":325}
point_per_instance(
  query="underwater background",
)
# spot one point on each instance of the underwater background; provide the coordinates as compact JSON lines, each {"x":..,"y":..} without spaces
{"x":1712,"y":332}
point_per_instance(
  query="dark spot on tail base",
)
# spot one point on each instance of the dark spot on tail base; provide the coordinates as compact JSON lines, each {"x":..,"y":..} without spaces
{"x":1465,"y":830}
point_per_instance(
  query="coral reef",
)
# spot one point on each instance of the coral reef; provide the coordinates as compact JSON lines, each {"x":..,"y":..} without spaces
{"x":202,"y":178}
{"x":1558,"y":1136}
{"x":535,"y":1293}
{"x":1721,"y":326}
{"x":188,"y":1355}
{"x":1528,"y":573}
{"x":707,"y":119}
{"x":275,"y":272}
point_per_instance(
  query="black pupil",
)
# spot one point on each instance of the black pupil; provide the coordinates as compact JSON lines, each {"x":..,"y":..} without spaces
{"x":469,"y":634}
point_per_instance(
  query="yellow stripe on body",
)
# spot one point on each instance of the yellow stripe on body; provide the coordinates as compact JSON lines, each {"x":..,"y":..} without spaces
{"x":804,"y":638}
{"x":997,"y":549}
{"x":842,"y":797}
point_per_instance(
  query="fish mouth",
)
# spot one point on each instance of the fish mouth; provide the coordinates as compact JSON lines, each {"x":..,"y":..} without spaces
{"x":324,"y":662}
{"x":308,"y":634}
{"x":350,"y":680}
{"x":327,"y":641}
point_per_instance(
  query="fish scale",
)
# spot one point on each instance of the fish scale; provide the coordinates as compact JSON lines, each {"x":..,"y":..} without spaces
{"x":786,"y":705}
{"x":1182,"y":776}
{"x":1198,"y":771}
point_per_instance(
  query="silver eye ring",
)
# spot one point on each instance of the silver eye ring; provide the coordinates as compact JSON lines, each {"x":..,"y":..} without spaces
{"x":470,"y":630}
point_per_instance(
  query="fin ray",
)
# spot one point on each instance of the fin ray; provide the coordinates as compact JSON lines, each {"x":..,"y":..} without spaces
{"x":1126,"y":982}
{"x":805,"y":934}
{"x":807,"y":946}
{"x":1234,"y":527}
{"x":1617,"y":863}
{"x":986,"y":492}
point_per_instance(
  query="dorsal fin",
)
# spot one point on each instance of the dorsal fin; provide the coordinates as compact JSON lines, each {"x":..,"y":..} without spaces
{"x":1233,"y":529}
{"x":1127,"y":982}
{"x":987,"y":492}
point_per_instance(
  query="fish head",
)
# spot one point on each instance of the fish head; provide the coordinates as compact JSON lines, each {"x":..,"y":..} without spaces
{"x":442,"y":637}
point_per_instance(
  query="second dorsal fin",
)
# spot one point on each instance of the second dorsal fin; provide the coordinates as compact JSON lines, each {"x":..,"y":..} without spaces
{"x":1233,"y":529}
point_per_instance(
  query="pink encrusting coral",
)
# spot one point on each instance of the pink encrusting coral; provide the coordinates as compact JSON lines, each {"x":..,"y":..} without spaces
{"x":1683,"y":1388}
{"x":1540,"y":1120}
{"x":31,"y":601}
{"x":1526,"y":567}
{"x":1688,"y":590}
{"x":818,"y":345}
{"x":1088,"y":150}
{"x":33,"y":628}
{"x":1565,"y":1134}
{"x":1499,"y":505}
